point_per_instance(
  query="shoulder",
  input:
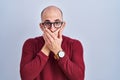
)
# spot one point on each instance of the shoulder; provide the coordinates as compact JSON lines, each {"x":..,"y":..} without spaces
{"x":74,"y":45}
{"x":70,"y":40}
{"x":33,"y":41}
{"x":36,"y":39}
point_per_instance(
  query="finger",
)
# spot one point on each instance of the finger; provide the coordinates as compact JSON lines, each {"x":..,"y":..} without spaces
{"x":47,"y":41}
{"x":49,"y":33}
{"x":44,"y":38}
{"x":56,"y":32}
{"x":59,"y":32}
{"x":49,"y":37}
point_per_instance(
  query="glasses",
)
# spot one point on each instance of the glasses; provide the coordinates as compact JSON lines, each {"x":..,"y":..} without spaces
{"x":55,"y":24}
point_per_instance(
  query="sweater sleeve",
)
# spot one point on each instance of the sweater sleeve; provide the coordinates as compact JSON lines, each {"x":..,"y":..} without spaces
{"x":73,"y":68}
{"x":30,"y":66}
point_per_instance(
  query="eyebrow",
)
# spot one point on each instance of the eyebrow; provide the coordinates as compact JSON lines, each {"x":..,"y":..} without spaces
{"x":47,"y":21}
{"x":55,"y":20}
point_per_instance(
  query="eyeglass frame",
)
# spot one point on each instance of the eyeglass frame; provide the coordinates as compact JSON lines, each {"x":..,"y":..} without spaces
{"x":53,"y":23}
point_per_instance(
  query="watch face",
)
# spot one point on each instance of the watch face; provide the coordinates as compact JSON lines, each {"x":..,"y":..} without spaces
{"x":61,"y":54}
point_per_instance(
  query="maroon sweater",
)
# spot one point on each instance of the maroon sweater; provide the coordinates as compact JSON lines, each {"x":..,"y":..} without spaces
{"x":35,"y":65}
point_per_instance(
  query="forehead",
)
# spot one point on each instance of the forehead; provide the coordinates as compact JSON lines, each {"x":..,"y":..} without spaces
{"x":51,"y":14}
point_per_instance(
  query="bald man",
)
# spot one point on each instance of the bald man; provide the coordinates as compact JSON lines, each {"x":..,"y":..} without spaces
{"x":52,"y":56}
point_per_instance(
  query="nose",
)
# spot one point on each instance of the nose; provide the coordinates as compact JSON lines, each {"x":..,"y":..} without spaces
{"x":52,"y":28}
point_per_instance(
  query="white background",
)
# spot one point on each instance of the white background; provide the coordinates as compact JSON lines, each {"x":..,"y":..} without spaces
{"x":96,"y":23}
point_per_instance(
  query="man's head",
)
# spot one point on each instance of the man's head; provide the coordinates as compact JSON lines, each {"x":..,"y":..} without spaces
{"x":52,"y":18}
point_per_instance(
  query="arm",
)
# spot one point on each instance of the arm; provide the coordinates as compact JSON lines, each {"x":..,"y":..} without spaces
{"x":31,"y":65}
{"x":73,"y":68}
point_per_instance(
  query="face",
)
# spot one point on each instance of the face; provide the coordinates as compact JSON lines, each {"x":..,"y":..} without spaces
{"x":52,"y":19}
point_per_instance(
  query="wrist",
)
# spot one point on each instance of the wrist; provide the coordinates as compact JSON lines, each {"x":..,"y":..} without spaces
{"x":45,"y":50}
{"x":60,"y":54}
{"x":57,"y":50}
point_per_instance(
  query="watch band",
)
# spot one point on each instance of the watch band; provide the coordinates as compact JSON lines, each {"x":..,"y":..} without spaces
{"x":56,"y":57}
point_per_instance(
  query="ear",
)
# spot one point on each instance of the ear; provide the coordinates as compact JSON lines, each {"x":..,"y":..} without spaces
{"x":41,"y":26}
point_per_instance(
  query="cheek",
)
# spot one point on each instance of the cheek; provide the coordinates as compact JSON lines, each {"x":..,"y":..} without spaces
{"x":42,"y":28}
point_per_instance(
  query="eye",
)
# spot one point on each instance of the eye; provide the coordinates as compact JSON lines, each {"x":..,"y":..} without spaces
{"x":57,"y":23}
{"x":47,"y":23}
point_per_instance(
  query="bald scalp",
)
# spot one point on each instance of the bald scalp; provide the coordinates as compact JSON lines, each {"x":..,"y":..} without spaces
{"x":51,"y":8}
